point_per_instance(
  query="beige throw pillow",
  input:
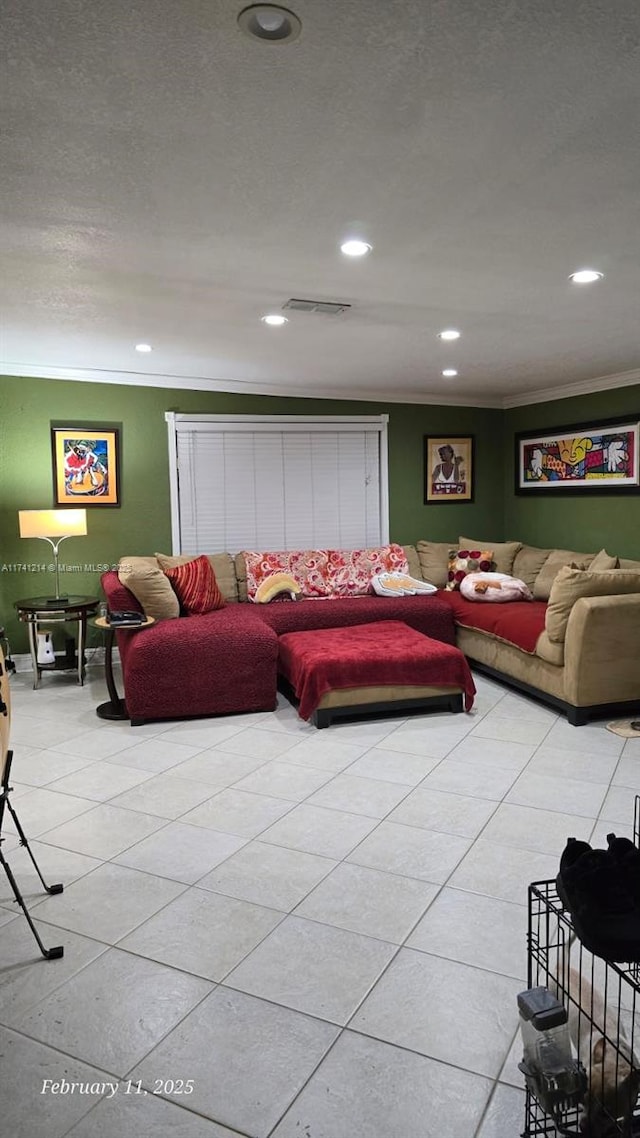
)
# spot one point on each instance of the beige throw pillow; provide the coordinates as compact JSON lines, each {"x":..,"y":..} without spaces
{"x":604,"y":560}
{"x":504,"y":552}
{"x":552,"y":566}
{"x":413,"y":561}
{"x":528,"y":562}
{"x":221,"y":563}
{"x":145,"y":579}
{"x":434,"y":561}
{"x":570,"y":584}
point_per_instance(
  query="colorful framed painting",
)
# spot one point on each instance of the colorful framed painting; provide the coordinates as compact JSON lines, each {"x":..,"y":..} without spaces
{"x":592,"y":457}
{"x":86,"y":465}
{"x":448,"y":469}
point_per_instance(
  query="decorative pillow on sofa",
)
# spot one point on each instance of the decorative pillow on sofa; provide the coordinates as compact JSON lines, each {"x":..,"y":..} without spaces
{"x":504,"y":552}
{"x":196,"y":586}
{"x":276,"y":585}
{"x":494,"y":587}
{"x":571,"y":584}
{"x":143,"y":577}
{"x":222,"y":564}
{"x":463,"y":561}
{"x":399,"y":585}
{"x":434,"y":561}
{"x":326,"y":572}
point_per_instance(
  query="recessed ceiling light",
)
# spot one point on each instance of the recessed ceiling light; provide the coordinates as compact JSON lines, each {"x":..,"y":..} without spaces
{"x":449,"y":372}
{"x":355,"y":248}
{"x":144,"y":348}
{"x":449,"y":334}
{"x":274,"y":319}
{"x":586,"y":276}
{"x":270,"y":23}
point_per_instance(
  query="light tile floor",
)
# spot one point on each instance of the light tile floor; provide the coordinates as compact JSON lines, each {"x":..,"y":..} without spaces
{"x":275,"y":931}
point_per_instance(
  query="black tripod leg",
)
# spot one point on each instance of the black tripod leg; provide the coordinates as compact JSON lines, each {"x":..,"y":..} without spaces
{"x":48,"y":953}
{"x":23,"y":842}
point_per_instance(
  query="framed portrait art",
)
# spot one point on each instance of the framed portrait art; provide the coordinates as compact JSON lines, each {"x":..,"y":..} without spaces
{"x":448,"y":469}
{"x":86,"y":465}
{"x":600,"y":458}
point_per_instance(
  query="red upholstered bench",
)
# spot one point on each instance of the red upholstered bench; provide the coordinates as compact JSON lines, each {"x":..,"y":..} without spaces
{"x":384,"y":666}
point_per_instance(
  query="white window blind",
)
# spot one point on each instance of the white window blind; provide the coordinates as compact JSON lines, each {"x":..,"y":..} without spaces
{"x":239,"y":482}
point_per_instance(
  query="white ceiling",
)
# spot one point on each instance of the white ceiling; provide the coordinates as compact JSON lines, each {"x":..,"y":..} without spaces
{"x":167,"y":179}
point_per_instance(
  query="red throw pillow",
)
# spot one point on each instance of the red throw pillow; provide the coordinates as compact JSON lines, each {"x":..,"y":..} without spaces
{"x":196,"y":586}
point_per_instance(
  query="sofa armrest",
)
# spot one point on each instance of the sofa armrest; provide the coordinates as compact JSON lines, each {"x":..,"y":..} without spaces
{"x":602,"y":650}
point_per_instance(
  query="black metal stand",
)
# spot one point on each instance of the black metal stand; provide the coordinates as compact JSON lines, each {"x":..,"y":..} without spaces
{"x":48,"y":953}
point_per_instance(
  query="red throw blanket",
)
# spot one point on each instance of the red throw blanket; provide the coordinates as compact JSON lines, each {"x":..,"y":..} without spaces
{"x":387,"y":652}
{"x":517,"y":622}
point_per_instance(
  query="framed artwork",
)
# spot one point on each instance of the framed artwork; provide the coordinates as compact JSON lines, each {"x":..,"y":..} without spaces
{"x":86,"y":465}
{"x":591,"y":457}
{"x":448,"y":469}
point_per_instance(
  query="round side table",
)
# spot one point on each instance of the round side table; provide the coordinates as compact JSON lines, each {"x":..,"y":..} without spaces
{"x":34,"y":611}
{"x":115,"y":707}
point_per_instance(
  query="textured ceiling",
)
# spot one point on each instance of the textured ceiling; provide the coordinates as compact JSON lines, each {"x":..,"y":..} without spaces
{"x":167,"y":179}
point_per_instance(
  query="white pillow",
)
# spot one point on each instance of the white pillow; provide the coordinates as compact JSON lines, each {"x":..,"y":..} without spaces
{"x":398,"y":584}
{"x":494,"y":587}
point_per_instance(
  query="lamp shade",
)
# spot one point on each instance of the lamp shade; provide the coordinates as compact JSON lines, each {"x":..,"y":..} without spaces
{"x":52,"y":523}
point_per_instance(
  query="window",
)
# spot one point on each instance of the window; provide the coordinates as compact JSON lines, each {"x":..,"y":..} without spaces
{"x":271,"y":482}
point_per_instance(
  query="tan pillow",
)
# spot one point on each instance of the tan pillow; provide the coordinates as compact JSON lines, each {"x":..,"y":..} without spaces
{"x":145,"y":579}
{"x":604,"y":560}
{"x":626,"y":563}
{"x":413,"y":561}
{"x":552,"y":566}
{"x":241,"y":576}
{"x":504,"y":552}
{"x":570,"y":584}
{"x":221,"y":563}
{"x":434,"y":561}
{"x":528,"y":562}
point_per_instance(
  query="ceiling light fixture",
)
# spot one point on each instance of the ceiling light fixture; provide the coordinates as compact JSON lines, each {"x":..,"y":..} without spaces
{"x":270,"y":23}
{"x":449,"y":372}
{"x":355,"y":248}
{"x":586,"y":276}
{"x":274,"y":320}
{"x":449,"y":334}
{"x":144,"y":348}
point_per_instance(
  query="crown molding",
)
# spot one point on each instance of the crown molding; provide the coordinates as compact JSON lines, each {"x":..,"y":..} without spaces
{"x":583,"y":387}
{"x":241,"y":387}
{"x":254,"y":387}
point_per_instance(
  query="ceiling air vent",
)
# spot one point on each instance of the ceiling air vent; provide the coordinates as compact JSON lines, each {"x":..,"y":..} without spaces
{"x":322,"y":307}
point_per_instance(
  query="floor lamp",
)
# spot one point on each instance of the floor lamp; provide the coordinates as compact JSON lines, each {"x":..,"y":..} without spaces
{"x":53,"y":526}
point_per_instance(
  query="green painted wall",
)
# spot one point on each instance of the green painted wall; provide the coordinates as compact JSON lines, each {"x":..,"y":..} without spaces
{"x":585,"y":521}
{"x":142,"y":523}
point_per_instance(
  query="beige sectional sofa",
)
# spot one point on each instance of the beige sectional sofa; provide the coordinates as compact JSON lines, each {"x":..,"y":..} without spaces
{"x":586,"y":658}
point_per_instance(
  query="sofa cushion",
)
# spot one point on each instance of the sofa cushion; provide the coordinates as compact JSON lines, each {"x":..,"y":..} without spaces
{"x":504,"y":552}
{"x":413,"y":561}
{"x":143,"y":577}
{"x":570,"y":584}
{"x":557,"y":559}
{"x":241,"y":576}
{"x":434,"y":561}
{"x":626,"y":563}
{"x":223,"y":566}
{"x":604,"y":560}
{"x":196,"y":586}
{"x":465,"y":561}
{"x":528,"y":562}
{"x":519,"y":623}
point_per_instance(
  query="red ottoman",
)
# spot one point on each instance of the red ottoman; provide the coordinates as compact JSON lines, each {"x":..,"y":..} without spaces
{"x":385,"y":666}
